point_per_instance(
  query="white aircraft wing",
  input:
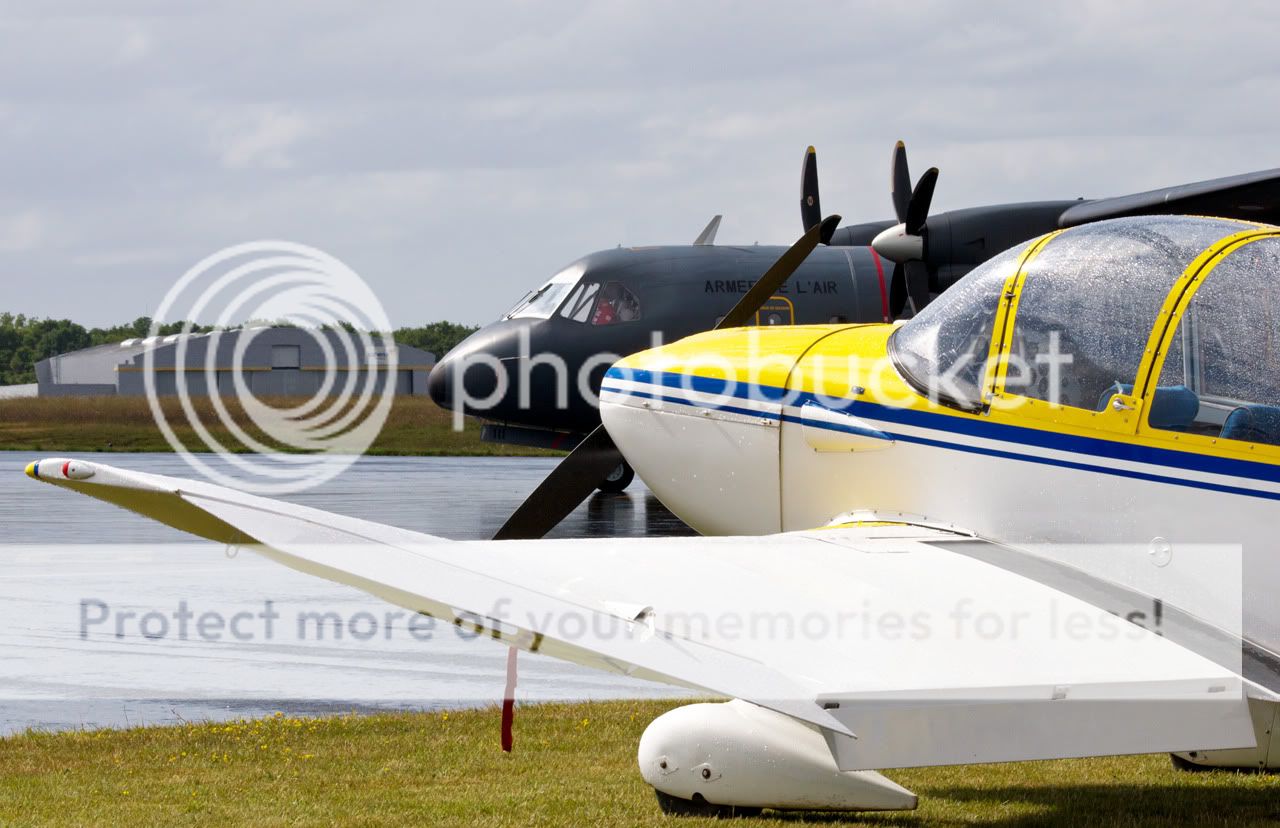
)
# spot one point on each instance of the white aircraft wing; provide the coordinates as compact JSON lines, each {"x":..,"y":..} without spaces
{"x":881,"y":635}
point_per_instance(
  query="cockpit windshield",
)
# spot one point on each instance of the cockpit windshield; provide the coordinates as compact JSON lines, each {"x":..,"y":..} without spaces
{"x":541,"y":303}
{"x":943,"y":349}
{"x":1087,"y":302}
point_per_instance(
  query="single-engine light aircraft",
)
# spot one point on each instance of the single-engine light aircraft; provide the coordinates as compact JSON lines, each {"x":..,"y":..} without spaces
{"x":534,"y":375}
{"x":1034,"y":521}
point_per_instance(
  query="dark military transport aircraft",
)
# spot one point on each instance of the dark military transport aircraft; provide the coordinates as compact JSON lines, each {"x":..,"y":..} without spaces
{"x":613,"y":303}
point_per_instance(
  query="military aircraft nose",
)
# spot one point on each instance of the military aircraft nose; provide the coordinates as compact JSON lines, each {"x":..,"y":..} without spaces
{"x":466,"y":382}
{"x":476,"y":376}
{"x":438,"y":383}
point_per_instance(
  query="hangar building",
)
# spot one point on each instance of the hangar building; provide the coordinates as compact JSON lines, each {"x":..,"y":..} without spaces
{"x":275,"y":362}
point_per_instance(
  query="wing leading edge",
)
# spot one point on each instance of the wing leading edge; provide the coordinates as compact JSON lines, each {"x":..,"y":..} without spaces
{"x":1251,"y":196}
{"x":852,"y":630}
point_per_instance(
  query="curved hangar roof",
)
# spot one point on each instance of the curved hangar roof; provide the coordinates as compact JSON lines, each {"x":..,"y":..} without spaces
{"x":1081,"y":315}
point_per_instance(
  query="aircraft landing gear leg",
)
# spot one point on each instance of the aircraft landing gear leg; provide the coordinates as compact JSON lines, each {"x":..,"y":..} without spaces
{"x":618,"y":479}
{"x":675,"y":806}
{"x":1184,"y":764}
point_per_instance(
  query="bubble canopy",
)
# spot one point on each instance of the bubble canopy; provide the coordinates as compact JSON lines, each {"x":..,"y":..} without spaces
{"x":1088,"y":300}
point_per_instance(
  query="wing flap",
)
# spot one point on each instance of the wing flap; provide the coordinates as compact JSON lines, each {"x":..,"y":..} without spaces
{"x":912,"y":734}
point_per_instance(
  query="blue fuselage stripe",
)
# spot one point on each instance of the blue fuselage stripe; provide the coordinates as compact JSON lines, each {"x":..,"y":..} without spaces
{"x":763,"y":415}
{"x":961,"y":424}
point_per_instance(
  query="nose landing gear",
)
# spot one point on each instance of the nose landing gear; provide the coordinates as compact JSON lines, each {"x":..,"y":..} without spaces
{"x":618,"y":479}
{"x":700,"y":807}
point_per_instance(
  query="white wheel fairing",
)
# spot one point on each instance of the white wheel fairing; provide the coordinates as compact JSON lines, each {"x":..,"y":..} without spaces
{"x":738,"y":754}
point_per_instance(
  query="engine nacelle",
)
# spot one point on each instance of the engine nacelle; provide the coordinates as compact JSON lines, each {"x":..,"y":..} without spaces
{"x":738,"y":754}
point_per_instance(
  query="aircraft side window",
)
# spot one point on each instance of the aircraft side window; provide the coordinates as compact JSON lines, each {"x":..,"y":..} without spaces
{"x":1089,"y":301}
{"x":579,"y":305}
{"x":616,"y":304}
{"x":572,"y":302}
{"x":1221,"y":376}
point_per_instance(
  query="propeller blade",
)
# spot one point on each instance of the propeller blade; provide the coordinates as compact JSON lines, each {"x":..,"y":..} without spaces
{"x":897,"y":291}
{"x":778,"y":273}
{"x":900,"y":182}
{"x":917,"y":283}
{"x":810,"y":207}
{"x":570,"y":482}
{"x":576,"y":476}
{"x":921,"y":197}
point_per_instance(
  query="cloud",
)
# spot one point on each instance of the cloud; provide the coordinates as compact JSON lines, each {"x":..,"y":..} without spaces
{"x":457,"y":155}
{"x":21,"y":231}
{"x":260,"y":138}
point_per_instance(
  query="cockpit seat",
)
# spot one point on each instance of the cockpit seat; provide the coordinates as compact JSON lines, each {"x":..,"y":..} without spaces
{"x":1253,"y":424}
{"x":1174,"y":407}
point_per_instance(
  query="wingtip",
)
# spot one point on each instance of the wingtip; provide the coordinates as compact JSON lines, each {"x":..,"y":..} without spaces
{"x":60,"y":468}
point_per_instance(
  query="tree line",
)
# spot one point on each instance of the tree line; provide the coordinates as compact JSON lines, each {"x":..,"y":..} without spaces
{"x":26,"y":340}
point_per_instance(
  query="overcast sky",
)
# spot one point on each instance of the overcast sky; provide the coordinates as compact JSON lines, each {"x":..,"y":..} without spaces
{"x":458,"y":154}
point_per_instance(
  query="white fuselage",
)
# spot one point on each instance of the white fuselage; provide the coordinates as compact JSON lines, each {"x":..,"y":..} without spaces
{"x":1197,"y":538}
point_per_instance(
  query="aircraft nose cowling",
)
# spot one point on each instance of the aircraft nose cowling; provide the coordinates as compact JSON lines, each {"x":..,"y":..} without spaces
{"x":466,"y":385}
{"x":438,"y":383}
{"x":476,"y":376}
{"x":699,"y":420}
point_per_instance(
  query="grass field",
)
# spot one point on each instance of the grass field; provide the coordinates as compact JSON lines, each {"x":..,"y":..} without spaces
{"x":415,"y":426}
{"x":573,"y":765}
